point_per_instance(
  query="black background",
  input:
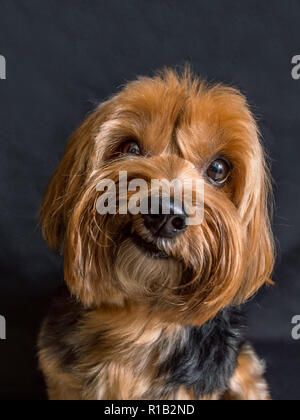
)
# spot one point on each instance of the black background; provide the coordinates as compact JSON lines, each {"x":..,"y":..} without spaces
{"x":63,"y":57}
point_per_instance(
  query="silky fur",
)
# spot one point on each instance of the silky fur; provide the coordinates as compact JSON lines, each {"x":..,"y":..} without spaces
{"x":182,"y":125}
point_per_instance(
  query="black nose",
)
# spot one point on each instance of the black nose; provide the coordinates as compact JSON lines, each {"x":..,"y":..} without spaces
{"x":170,"y":221}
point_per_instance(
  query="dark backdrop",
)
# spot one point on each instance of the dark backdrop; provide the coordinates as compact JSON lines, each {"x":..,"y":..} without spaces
{"x":63,"y":56}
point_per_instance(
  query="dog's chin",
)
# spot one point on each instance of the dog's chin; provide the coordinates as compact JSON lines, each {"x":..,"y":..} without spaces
{"x":149,"y":249}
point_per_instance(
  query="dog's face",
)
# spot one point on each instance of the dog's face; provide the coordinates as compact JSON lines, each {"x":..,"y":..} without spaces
{"x":169,"y":127}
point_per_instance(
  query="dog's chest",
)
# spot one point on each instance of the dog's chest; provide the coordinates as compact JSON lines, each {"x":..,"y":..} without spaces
{"x":200,"y":360}
{"x":197,"y":361}
{"x":204,"y":358}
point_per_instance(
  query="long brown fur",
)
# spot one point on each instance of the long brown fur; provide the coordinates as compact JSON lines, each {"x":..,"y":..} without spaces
{"x":182,"y":124}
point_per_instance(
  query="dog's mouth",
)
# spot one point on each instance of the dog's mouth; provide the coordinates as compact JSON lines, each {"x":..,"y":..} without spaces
{"x":148,"y":249}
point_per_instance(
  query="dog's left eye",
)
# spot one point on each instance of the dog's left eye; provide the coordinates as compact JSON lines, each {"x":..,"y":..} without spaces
{"x":131,"y":148}
{"x":218,"y":171}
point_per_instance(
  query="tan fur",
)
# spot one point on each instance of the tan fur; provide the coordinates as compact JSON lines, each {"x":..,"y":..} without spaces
{"x":60,"y":386}
{"x":248,"y":383}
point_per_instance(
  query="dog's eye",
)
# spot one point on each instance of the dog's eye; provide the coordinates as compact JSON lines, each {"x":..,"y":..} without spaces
{"x":131,"y":148}
{"x":218,"y":171}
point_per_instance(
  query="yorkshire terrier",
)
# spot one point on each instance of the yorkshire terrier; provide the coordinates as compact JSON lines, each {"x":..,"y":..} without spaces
{"x":152,"y":309}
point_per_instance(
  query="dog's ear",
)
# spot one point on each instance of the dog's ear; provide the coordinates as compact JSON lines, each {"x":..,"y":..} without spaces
{"x":255,"y":210}
{"x":68,"y":180}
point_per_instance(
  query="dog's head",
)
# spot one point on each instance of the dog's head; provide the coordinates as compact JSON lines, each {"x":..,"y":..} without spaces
{"x":168,"y":127}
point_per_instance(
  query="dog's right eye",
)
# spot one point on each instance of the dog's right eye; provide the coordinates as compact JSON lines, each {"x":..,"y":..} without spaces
{"x":131,"y":148}
{"x":218,"y":172}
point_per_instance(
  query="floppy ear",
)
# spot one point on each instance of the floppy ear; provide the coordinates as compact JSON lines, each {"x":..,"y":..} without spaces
{"x":256,"y":210}
{"x":69,"y":178}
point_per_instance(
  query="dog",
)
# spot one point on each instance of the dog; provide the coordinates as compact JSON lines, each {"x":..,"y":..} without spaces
{"x":152,"y":310}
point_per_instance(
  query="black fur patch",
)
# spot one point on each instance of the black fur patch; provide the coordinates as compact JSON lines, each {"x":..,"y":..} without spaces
{"x":61,"y":323}
{"x":205,"y":358}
